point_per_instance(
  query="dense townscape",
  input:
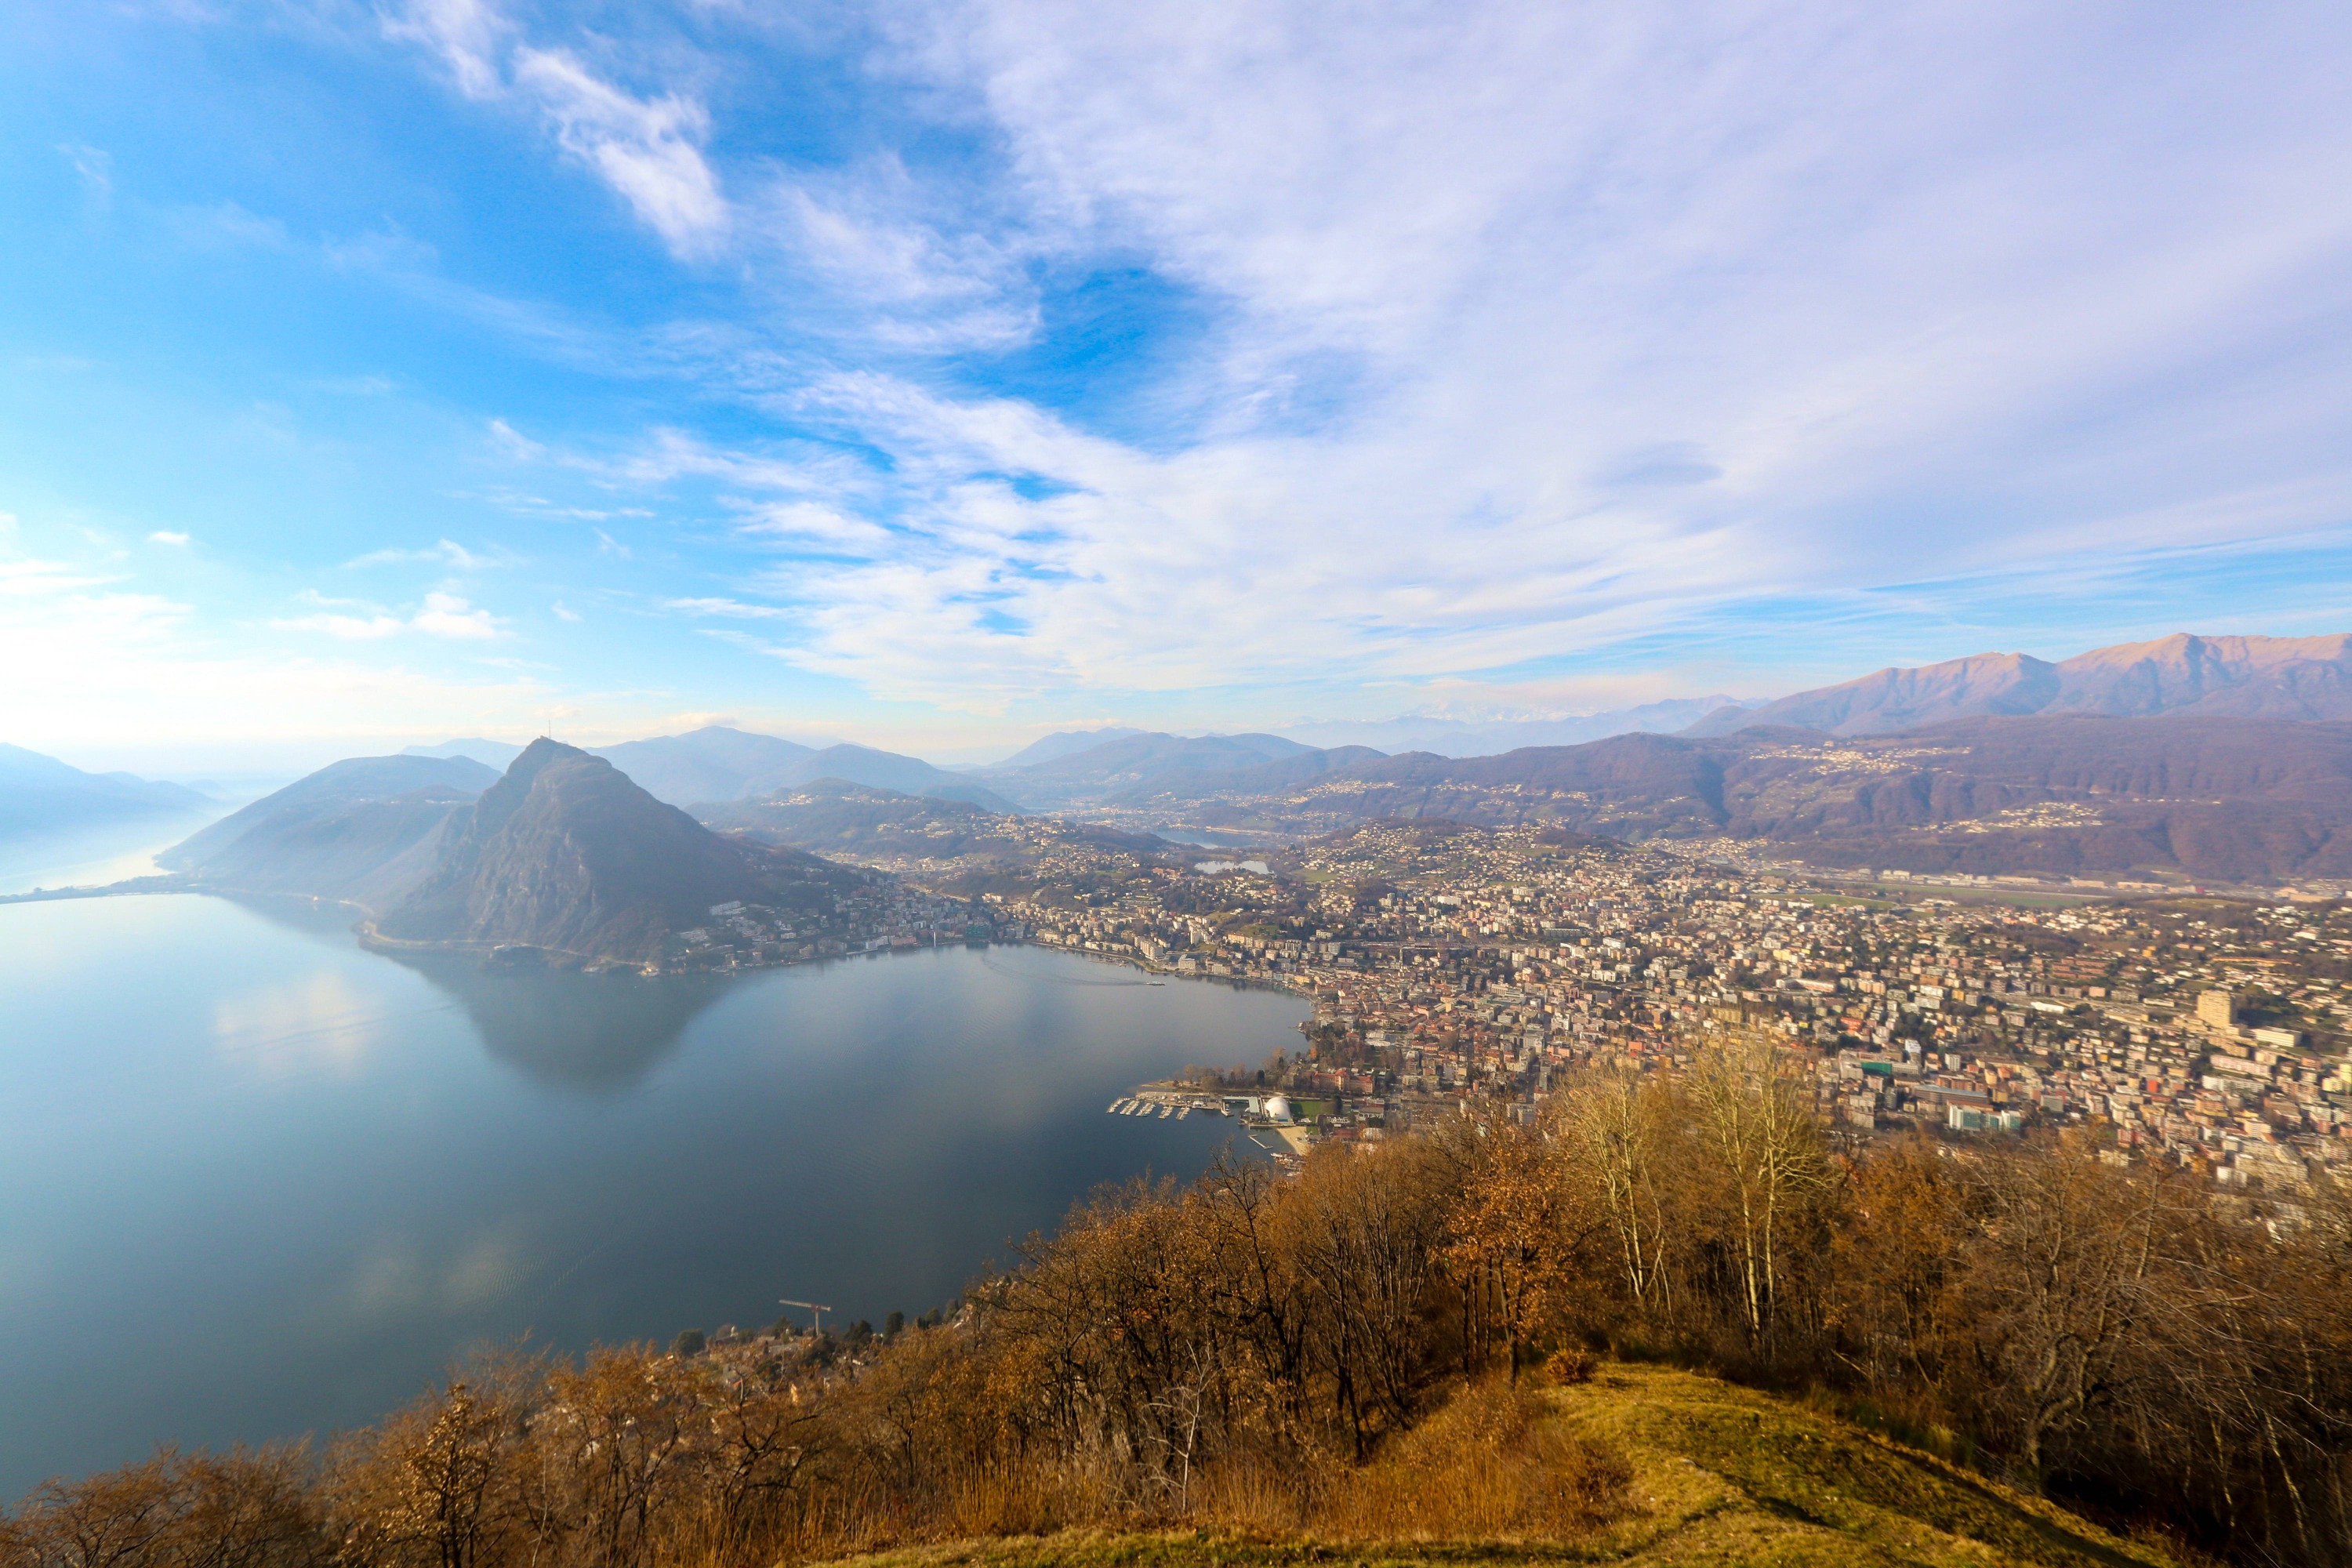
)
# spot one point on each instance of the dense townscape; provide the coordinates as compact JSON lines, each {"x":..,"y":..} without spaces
{"x":1445,"y":960}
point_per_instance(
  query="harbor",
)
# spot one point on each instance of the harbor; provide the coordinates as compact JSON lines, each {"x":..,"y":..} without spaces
{"x":1261,"y":1115}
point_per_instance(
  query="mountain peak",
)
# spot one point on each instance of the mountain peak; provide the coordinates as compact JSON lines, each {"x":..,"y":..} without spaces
{"x":567,"y":854}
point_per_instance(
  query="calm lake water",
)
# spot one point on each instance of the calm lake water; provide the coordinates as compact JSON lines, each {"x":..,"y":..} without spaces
{"x":256,"y":1182}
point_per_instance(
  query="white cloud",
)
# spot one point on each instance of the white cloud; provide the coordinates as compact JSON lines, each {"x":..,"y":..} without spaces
{"x":447,"y":553}
{"x":563,"y":612}
{"x":514,"y":443}
{"x":734,"y":609}
{"x":810,"y":523}
{"x":166,"y":536}
{"x":443,"y":615}
{"x":95,"y":169}
{"x":349,"y":628}
{"x":448,"y":615}
{"x":891,"y":269}
{"x":119,"y":665}
{"x":648,"y":150}
{"x":467,"y":35}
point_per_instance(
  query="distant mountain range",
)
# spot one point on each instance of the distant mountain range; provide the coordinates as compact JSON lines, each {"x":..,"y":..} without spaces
{"x":2232,"y":800}
{"x":40,"y":794}
{"x":922,"y":834}
{"x":1482,"y":738}
{"x":2179,"y":675}
{"x":1068,"y":743}
{"x":1136,"y":769}
{"x":719,"y":763}
{"x":493,"y":754}
{"x":2219,"y":758}
{"x":2182,"y":675}
{"x":1356,"y":737}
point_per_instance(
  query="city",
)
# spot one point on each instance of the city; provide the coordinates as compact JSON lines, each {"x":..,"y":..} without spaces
{"x":1444,"y":961}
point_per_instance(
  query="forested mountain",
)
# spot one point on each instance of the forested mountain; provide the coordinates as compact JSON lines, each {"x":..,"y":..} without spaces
{"x":565,"y":853}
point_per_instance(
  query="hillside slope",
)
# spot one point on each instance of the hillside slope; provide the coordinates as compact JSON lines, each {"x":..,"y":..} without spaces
{"x":364,"y":829}
{"x":1720,"y":1476}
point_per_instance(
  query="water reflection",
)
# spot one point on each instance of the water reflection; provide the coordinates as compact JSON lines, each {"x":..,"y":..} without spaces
{"x":317,"y":1022}
{"x":557,"y":1027}
{"x":600,"y":1033}
{"x":323,"y":920}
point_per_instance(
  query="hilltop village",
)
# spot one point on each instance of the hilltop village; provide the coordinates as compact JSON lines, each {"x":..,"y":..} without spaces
{"x":1444,"y":962}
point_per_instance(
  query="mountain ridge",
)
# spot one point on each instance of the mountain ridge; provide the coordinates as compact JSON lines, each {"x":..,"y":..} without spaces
{"x":39,"y":793}
{"x":2220,"y":798}
{"x":1492,"y":737}
{"x":357,"y":831}
{"x":2183,"y":675}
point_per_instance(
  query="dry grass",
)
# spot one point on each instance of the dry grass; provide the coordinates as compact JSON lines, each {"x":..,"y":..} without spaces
{"x":1636,"y":1466}
{"x":1495,"y":1462}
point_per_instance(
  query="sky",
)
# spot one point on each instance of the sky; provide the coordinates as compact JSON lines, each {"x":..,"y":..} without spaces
{"x":938,"y":375}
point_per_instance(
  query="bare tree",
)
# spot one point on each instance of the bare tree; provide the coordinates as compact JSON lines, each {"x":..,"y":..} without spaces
{"x":1756,"y":1125}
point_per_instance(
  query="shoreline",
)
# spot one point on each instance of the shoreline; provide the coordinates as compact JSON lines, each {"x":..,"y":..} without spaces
{"x":373,"y":941}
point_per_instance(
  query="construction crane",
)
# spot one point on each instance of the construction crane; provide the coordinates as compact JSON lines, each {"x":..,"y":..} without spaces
{"x":815,"y":1312}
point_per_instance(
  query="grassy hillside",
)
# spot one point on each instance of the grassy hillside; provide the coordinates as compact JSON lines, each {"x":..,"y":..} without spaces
{"x":1719,"y":1476}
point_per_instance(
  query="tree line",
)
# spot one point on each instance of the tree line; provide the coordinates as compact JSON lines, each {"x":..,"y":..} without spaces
{"x":1360,"y":1350}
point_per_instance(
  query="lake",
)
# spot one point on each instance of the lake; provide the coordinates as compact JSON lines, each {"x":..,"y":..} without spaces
{"x":256,"y":1181}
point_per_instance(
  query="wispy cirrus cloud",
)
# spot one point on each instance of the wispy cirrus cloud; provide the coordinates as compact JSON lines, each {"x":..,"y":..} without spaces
{"x":442,"y":552}
{"x":649,"y":150}
{"x":96,"y":167}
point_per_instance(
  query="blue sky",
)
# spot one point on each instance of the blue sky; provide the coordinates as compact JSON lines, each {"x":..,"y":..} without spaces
{"x":939,"y":374}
